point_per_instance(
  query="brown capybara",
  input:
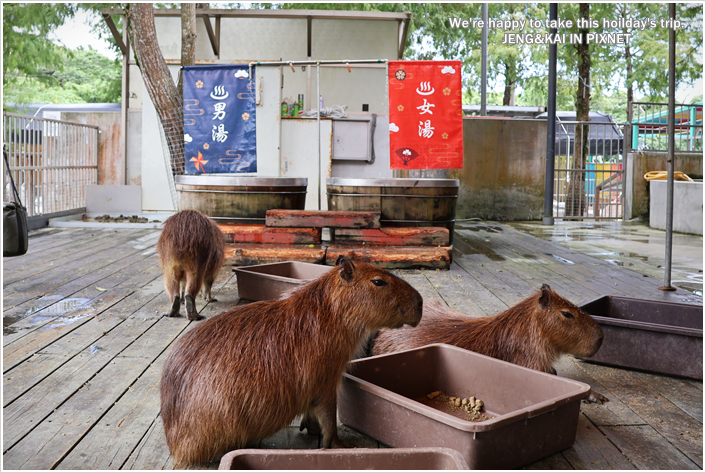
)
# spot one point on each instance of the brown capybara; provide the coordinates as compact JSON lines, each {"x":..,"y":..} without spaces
{"x":533,"y":333}
{"x":249,"y":371}
{"x":191,"y":252}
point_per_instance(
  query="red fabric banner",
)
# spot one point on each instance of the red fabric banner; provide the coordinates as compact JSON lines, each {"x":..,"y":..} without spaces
{"x":426,"y":119}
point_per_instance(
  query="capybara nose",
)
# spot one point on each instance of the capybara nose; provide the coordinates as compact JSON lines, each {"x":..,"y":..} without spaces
{"x":417,"y":314}
{"x":599,"y":342}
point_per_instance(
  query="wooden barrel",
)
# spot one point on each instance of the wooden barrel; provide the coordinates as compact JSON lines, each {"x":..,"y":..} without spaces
{"x":401,"y":202}
{"x":229,"y":199}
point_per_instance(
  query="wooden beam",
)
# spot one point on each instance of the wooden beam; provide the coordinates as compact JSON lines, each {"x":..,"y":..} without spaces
{"x":247,"y":254}
{"x":409,"y":257}
{"x":308,"y":35}
{"x":116,"y":34}
{"x":301,"y":14}
{"x":322,"y":218}
{"x":239,"y":233}
{"x":402,"y":28}
{"x":211,"y":36}
{"x":392,"y":236}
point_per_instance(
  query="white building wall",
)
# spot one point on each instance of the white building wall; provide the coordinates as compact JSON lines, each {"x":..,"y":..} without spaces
{"x":256,"y":39}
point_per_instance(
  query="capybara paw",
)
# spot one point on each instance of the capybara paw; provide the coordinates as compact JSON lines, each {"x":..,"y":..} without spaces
{"x":311,"y":425}
{"x":195,"y":317}
{"x":596,"y":397}
{"x":212,"y":299}
{"x":170,"y":314}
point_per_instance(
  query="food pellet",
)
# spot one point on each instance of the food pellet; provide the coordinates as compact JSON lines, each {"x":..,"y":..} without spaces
{"x":471,"y":407}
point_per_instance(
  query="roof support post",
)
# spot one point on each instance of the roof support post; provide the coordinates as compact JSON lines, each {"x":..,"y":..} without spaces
{"x":670,"y":156}
{"x":116,"y":34}
{"x":209,"y":30}
{"x":548,"y":218}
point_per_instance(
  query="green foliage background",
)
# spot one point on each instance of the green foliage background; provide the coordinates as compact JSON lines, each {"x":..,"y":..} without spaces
{"x":36,"y":70}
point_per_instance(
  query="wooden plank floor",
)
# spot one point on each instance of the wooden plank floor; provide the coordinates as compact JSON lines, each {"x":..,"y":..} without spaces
{"x":84,"y":342}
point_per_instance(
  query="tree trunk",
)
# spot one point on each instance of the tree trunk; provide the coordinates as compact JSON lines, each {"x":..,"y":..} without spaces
{"x":157,"y":78}
{"x":510,"y":79}
{"x":576,"y":198}
{"x":188,"y":40}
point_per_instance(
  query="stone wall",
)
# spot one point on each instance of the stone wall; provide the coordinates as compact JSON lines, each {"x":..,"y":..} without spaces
{"x":503,"y":169}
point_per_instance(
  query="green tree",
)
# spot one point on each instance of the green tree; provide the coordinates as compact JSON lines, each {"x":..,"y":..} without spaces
{"x":86,"y":77}
{"x":645,"y":59}
{"x":92,"y":76}
{"x":28,"y":54}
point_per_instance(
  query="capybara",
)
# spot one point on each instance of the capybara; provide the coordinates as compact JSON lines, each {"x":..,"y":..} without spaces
{"x":533,"y":333}
{"x":191,"y":252}
{"x":249,"y":371}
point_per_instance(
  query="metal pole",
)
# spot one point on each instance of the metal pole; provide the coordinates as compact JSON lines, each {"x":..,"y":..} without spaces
{"x":670,"y":156}
{"x":484,"y":61}
{"x":548,"y":218}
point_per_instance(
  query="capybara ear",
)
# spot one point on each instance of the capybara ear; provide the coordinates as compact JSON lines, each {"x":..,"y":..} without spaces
{"x":546,"y":296}
{"x":347,"y":267}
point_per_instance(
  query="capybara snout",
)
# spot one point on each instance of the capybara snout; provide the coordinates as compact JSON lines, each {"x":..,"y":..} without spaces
{"x":191,"y":252}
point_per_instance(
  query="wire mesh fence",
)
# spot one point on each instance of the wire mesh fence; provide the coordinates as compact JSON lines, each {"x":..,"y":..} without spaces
{"x":172,"y":136}
{"x":51,"y":161}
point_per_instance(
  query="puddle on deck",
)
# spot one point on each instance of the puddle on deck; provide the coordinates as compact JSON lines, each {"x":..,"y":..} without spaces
{"x":54,"y":313}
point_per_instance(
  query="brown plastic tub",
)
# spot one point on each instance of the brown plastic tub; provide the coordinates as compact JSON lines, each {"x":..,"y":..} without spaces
{"x":265,"y":282}
{"x":536,"y":414}
{"x":661,"y":337}
{"x":345,"y":459}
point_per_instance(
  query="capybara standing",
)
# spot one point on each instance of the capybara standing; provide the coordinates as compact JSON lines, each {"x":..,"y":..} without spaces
{"x":249,"y":371}
{"x":533,"y":333}
{"x":191,"y":252}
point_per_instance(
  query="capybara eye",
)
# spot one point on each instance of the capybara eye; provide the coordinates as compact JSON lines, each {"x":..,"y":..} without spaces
{"x":379,"y":282}
{"x":568,"y":315}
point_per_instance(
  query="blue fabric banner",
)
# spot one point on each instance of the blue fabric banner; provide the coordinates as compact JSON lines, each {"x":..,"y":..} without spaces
{"x":219,"y":119}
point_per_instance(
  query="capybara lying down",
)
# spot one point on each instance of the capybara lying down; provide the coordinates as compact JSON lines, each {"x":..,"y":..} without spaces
{"x":191,"y":252}
{"x":249,"y":371}
{"x":533,"y":333}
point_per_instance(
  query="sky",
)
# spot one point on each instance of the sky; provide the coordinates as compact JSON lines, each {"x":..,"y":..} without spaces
{"x":77,"y":32}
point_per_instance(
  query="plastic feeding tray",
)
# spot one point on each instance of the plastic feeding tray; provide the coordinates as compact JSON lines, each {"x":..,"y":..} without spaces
{"x":533,"y":414}
{"x":662,"y":337}
{"x":266,"y":282}
{"x":345,"y":459}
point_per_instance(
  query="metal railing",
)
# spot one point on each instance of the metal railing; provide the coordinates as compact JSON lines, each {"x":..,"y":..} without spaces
{"x":51,"y":162}
{"x":649,"y":127}
{"x":590,"y":188}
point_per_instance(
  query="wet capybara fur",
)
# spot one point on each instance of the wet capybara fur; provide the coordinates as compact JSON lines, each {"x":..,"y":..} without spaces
{"x":191,"y":252}
{"x":249,"y":371}
{"x":533,"y":333}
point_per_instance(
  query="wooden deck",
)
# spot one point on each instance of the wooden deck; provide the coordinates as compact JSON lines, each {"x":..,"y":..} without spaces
{"x":84,"y":342}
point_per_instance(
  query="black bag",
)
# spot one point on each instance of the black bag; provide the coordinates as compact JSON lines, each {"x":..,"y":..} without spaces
{"x":14,"y":220}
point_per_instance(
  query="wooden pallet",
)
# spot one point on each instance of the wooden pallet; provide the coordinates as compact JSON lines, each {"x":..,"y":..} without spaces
{"x":295,"y":235}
